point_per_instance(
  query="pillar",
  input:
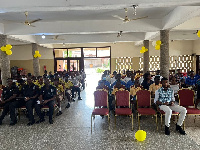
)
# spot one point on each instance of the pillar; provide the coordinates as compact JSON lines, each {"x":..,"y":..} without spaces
{"x":164,"y":53}
{"x":5,"y":61}
{"x":146,"y":57}
{"x":36,"y":64}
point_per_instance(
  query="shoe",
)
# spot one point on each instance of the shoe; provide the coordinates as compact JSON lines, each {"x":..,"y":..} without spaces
{"x":73,"y":100}
{"x":59,"y":113}
{"x":102,"y":116}
{"x":167,"y":131}
{"x":68,"y":105}
{"x":79,"y":98}
{"x":51,"y":121}
{"x":178,"y":128}
{"x":30,"y":123}
{"x":39,"y":121}
{"x":13,"y":123}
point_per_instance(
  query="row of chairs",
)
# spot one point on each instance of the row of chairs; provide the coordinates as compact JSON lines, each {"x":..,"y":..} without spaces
{"x":123,"y":105}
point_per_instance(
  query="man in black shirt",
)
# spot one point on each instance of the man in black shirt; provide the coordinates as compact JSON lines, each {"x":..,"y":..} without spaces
{"x":8,"y":96}
{"x":30,"y":92}
{"x":48,"y":97}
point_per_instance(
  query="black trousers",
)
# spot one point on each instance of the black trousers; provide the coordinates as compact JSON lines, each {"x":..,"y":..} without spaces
{"x":75,"y":88}
{"x":50,"y":104}
{"x":13,"y":106}
{"x":29,"y":106}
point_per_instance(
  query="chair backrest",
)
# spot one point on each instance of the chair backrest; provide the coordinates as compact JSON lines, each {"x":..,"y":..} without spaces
{"x":186,"y":97}
{"x":100,"y":98}
{"x":143,"y":98}
{"x":122,"y":98}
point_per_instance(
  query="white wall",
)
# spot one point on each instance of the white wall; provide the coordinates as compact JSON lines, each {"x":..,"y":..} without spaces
{"x":196,"y":48}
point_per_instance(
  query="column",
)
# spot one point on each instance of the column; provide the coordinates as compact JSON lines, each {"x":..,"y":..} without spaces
{"x":5,"y":61}
{"x":164,"y":53}
{"x":36,"y":64}
{"x":146,"y":57}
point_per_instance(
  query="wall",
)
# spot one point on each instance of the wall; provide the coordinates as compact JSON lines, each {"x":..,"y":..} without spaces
{"x":22,"y":54}
{"x":22,"y":57}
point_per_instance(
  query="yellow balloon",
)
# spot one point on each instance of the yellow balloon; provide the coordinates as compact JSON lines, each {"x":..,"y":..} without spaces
{"x":9,"y":52}
{"x":35,"y":56}
{"x":158,"y":42}
{"x":8,"y":46}
{"x":140,"y":135}
{"x":157,"y":47}
{"x":146,"y":49}
{"x":3,"y":48}
{"x":39,"y":55}
{"x":141,"y":51}
{"x":37,"y":52}
{"x":143,"y":48}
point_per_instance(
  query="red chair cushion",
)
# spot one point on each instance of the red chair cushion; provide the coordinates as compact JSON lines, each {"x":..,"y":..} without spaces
{"x":193,"y":111}
{"x":100,"y":111}
{"x":23,"y":107}
{"x":123,"y":111}
{"x":146,"y":111}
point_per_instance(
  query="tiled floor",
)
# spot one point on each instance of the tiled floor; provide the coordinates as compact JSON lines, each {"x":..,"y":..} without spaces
{"x":72,"y":130}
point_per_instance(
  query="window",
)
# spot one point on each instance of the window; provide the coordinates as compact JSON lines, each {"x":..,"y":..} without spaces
{"x":60,"y":53}
{"x":75,"y":52}
{"x":103,"y":52}
{"x":89,"y":52}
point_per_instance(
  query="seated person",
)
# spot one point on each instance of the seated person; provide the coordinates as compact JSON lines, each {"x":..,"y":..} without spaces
{"x":75,"y":87}
{"x":164,"y":98}
{"x":197,"y":76}
{"x":155,"y":86}
{"x":130,"y":82}
{"x":175,"y":87}
{"x":118,"y":79}
{"x":178,"y":75}
{"x":182,"y":83}
{"x":190,"y":80}
{"x":30,"y":93}
{"x":133,"y":90}
{"x":106,"y":83}
{"x":157,"y":74}
{"x":101,"y":85}
{"x":40,"y":82}
{"x":47,"y":98}
{"x":9,"y":95}
{"x":67,"y":87}
{"x":147,"y":81}
{"x":59,"y":94}
{"x":128,"y":77}
{"x":113,"y":77}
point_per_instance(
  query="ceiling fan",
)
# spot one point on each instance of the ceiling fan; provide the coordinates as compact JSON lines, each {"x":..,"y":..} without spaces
{"x":29,"y":23}
{"x":56,"y":38}
{"x":126,"y":19}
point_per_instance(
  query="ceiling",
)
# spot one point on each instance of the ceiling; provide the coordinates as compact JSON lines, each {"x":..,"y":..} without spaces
{"x":90,"y":21}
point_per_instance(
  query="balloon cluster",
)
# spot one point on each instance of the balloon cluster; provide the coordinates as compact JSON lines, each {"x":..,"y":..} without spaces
{"x":198,"y":33}
{"x":37,"y":54}
{"x":143,"y":50}
{"x":7,"y":49}
{"x":158,"y":43}
{"x":140,"y":135}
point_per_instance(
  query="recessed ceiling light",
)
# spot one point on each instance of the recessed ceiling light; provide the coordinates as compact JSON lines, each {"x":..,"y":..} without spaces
{"x":43,"y":36}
